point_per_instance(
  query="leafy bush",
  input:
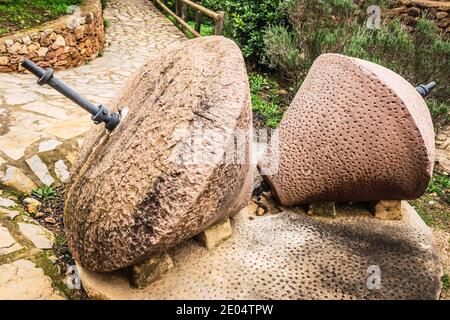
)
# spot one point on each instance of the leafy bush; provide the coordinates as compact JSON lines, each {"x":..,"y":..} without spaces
{"x":283,"y":50}
{"x":419,"y":54}
{"x":246,"y":20}
{"x":206,"y":29}
{"x":316,"y":26}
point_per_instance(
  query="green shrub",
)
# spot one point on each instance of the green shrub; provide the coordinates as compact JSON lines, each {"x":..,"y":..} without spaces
{"x":315,"y":26}
{"x":419,"y":54}
{"x":246,"y":20}
{"x":283,"y":50}
{"x":206,"y":29}
{"x":104,"y":4}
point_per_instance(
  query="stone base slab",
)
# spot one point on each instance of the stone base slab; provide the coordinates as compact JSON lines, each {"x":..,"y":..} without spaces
{"x":294,"y":256}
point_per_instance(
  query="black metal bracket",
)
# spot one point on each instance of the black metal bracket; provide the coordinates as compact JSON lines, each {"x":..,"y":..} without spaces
{"x":99,"y":113}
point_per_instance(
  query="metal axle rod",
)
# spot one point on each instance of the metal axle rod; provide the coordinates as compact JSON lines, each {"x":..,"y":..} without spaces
{"x":425,"y":89}
{"x":99,"y":113}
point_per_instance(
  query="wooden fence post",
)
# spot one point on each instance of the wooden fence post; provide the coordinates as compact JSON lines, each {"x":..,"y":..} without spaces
{"x":181,"y":16}
{"x":184,"y":12}
{"x":218,"y":29}
{"x":198,"y":19}
{"x":178,"y":7}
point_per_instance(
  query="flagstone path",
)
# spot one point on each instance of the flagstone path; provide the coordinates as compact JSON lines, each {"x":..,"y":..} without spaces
{"x":40,"y":130}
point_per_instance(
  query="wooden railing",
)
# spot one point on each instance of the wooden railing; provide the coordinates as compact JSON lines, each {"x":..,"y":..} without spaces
{"x":181,"y":16}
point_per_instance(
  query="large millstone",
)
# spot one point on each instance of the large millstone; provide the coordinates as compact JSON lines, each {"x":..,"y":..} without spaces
{"x":294,"y":256}
{"x":165,"y":174}
{"x":355,"y":131}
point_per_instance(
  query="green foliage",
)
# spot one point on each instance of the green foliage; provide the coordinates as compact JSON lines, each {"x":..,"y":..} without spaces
{"x":60,"y":241}
{"x":21,"y":14}
{"x":257,"y":82}
{"x":104,"y":2}
{"x":314,"y":27}
{"x":440,"y":111}
{"x":266,"y":99}
{"x":419,"y":54}
{"x":423,"y":214}
{"x":282,"y":47}
{"x":440,"y":184}
{"x":105,"y":23}
{"x":445,"y":281}
{"x":246,"y":20}
{"x":205,"y":29}
{"x":44,"y":193}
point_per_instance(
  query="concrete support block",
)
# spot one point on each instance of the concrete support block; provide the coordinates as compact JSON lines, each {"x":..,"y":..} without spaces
{"x":322,"y":209}
{"x":216,"y":234}
{"x":147,"y":272}
{"x":388,"y":210}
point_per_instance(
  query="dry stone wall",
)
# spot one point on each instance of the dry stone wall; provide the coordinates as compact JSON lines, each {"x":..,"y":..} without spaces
{"x":61,"y":44}
{"x":409,"y":11}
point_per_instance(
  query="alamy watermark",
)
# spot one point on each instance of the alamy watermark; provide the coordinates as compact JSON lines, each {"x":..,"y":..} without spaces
{"x":202,"y":145}
{"x":374,"y":277}
{"x":73,"y":277}
{"x":374,"y":17}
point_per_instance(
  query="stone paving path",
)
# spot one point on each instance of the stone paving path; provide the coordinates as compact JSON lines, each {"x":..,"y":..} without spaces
{"x":40,"y":130}
{"x":27,"y":269}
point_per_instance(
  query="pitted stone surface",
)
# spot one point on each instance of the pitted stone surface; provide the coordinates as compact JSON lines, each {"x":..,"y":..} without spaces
{"x":355,"y":131}
{"x":295,"y":256}
{"x":140,"y":189}
{"x":31,"y":116}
